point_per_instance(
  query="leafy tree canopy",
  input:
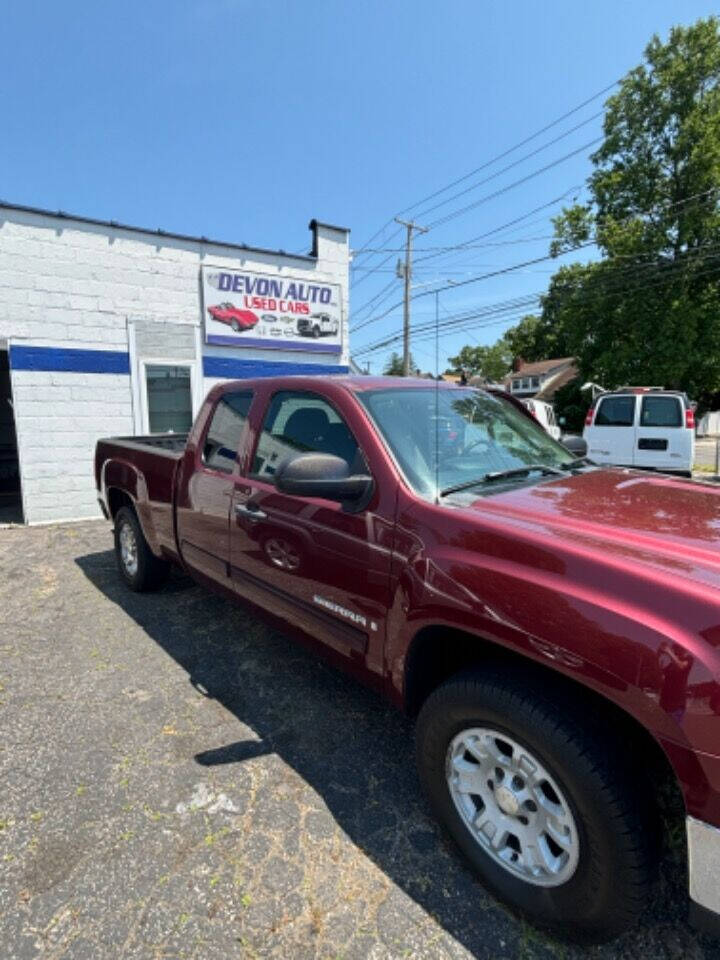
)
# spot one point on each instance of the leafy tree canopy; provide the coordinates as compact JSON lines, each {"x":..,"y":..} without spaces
{"x":394,"y":365}
{"x":490,"y":362}
{"x":648,"y":311}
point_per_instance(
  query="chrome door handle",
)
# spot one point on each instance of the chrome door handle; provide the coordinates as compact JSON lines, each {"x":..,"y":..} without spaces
{"x":254,"y":513}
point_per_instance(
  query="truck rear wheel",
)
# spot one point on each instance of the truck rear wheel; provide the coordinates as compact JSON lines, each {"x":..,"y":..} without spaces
{"x":541,"y":803}
{"x":139,"y":567}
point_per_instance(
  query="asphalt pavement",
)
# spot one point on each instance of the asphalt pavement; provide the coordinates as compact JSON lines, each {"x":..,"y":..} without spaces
{"x":178,"y":780}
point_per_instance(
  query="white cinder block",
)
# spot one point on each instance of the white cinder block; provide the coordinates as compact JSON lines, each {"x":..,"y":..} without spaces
{"x":71,"y":285}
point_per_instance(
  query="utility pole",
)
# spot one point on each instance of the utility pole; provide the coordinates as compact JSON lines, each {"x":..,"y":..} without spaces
{"x":404,"y":272}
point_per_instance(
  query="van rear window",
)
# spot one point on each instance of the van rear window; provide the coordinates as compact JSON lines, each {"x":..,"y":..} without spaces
{"x":661,"y":412}
{"x":615,"y":412}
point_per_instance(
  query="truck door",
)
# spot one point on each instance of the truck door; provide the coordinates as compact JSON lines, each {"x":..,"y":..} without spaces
{"x":308,"y":560}
{"x":611,"y":438}
{"x":203,"y":503}
{"x":663,"y":441}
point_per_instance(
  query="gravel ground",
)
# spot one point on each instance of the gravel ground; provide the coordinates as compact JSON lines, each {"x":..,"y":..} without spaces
{"x":177,"y":780}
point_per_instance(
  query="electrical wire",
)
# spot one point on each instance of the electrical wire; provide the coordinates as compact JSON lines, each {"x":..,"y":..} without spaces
{"x":489,"y":163}
{"x":614,"y":289}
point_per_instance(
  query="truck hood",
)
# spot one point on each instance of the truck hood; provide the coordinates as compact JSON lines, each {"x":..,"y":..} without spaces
{"x":661,"y":520}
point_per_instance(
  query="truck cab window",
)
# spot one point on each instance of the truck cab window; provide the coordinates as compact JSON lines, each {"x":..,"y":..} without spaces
{"x":225,"y":432}
{"x":303,"y":423}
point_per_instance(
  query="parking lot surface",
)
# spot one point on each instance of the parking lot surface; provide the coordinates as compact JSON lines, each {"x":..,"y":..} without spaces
{"x":179,"y":780}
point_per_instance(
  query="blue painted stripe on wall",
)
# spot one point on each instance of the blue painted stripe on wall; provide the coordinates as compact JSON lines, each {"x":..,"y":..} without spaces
{"x":235,"y":369}
{"x":71,"y":360}
{"x":302,"y":346}
{"x":68,"y":359}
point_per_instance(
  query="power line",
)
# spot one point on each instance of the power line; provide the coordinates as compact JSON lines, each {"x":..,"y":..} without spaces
{"x":464,"y":283}
{"x":481,"y":236}
{"x":510,"y":166}
{"x":497,"y":193}
{"x":461,"y":246}
{"x":698,"y":256}
{"x":491,"y":161}
{"x":613,"y":289}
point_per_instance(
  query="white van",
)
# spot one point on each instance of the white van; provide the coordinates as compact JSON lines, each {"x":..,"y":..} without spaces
{"x":545,"y":416}
{"x":642,"y":427}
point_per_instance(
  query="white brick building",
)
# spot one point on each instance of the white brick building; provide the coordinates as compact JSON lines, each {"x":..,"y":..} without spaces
{"x":103,"y":331}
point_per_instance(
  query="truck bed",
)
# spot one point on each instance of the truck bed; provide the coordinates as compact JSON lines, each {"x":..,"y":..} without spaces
{"x":144,"y":467}
{"x":165,"y":443}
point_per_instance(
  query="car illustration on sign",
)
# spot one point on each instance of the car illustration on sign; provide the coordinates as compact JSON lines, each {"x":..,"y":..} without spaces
{"x":318,"y":325}
{"x":236,"y":318}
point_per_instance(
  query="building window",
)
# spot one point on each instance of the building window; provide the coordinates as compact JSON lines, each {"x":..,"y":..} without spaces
{"x":534,"y":382}
{"x":169,"y":398}
{"x":516,"y":384}
{"x":526,"y":383}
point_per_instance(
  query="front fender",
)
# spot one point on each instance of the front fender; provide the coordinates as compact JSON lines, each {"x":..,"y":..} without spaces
{"x":647,"y":655}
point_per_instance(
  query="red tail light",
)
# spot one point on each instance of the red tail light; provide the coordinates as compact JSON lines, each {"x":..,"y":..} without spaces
{"x":690,"y":419}
{"x":589,"y":417}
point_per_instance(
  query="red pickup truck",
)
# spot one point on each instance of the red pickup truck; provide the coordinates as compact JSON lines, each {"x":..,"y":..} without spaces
{"x":554,"y":626}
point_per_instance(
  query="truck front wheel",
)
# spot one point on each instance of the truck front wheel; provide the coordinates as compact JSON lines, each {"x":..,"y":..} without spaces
{"x":542,"y":803}
{"x":139,"y":567}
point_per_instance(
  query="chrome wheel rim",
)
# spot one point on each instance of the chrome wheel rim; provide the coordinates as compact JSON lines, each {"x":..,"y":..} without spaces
{"x":282,"y":554}
{"x":512,"y":806}
{"x":128,"y":549}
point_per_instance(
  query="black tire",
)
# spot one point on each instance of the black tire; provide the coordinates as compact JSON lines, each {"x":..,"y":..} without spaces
{"x":613,"y":814}
{"x":234,"y":325}
{"x":316,"y":332}
{"x":148,"y":572}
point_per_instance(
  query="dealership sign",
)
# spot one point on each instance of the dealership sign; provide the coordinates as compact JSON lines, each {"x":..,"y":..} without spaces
{"x":248,"y":309}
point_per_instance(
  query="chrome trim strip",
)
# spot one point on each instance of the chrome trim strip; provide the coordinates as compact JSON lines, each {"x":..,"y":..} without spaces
{"x":704,"y":863}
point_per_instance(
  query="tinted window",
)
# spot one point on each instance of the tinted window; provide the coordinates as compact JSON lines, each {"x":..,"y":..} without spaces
{"x":169,"y":398}
{"x":225,"y":432}
{"x":303,"y":423}
{"x":615,"y":412}
{"x":660,"y":412}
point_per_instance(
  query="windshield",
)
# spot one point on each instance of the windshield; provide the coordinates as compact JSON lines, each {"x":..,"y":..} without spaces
{"x":444,"y":438}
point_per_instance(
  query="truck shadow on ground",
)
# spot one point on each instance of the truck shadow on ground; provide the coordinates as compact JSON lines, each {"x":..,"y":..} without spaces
{"x":356,"y":752}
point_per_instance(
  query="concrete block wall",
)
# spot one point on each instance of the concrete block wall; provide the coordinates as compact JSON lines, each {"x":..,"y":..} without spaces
{"x":59,"y":417}
{"x":76,"y":281}
{"x":72,"y":285}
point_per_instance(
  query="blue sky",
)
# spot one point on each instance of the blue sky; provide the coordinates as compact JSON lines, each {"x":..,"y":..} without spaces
{"x":243,"y":120}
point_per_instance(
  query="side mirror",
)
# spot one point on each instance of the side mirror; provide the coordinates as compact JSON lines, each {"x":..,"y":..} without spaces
{"x":323,"y":475}
{"x":576,"y":445}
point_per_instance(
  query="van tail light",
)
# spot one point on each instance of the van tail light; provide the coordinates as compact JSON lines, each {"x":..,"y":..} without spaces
{"x":589,"y":417}
{"x":690,"y":419}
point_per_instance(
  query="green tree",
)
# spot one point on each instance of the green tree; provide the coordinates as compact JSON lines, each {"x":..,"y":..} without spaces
{"x":490,"y":362}
{"x":648,"y":311}
{"x":571,"y":403}
{"x":535,"y":338}
{"x":394,"y":365}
